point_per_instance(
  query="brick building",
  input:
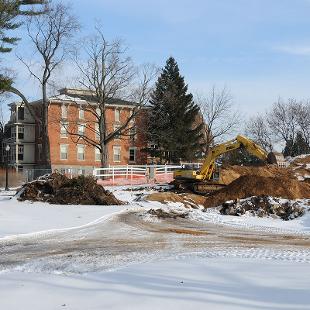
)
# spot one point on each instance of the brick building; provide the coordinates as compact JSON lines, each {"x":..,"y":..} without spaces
{"x":68,"y":116}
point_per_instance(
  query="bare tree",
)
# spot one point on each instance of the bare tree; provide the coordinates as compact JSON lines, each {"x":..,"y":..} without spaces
{"x":219,"y":115}
{"x":109,"y":74}
{"x":258,"y":129}
{"x":283,"y":119}
{"x":50,"y":35}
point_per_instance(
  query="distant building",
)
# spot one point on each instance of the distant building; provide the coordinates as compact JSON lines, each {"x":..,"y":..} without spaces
{"x":67,"y":152}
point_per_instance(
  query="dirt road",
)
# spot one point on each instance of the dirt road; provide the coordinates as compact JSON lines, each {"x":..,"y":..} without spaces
{"x":131,"y":236}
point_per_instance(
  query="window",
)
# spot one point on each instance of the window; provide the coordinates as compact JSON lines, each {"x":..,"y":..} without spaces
{"x":64,"y":111}
{"x":39,"y":130}
{"x":116,"y":154}
{"x":132,"y":133}
{"x":20,"y":152}
{"x":81,"y":129}
{"x":21,"y":132}
{"x":97,"y":154}
{"x":63,"y":129}
{"x":63,"y":151}
{"x":39,"y":151}
{"x":98,"y":111}
{"x":97,"y":133}
{"x":21,"y":113}
{"x":118,"y":135}
{"x":13,"y":132}
{"x":117,"y":115}
{"x":81,"y":152}
{"x":132,"y":154}
{"x":81,"y":113}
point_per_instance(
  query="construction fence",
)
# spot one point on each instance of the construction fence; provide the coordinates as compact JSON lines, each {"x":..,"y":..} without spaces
{"x":134,"y":175}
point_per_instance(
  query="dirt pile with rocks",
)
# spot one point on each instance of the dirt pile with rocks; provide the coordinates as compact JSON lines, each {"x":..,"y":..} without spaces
{"x":187,"y":199}
{"x":56,"y":188}
{"x":231,"y":173}
{"x":161,"y":214}
{"x":252,"y":185}
{"x":264,"y":206}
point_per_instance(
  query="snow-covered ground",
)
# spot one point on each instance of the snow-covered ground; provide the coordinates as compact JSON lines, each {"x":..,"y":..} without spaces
{"x":181,"y":283}
{"x":234,"y":278}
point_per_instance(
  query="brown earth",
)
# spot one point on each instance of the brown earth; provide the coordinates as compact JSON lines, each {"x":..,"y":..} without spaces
{"x":231,"y":173}
{"x":255,"y":185}
{"x":188,"y":199}
{"x":58,"y":189}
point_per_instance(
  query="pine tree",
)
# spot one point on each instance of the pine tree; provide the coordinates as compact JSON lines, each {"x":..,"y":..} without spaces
{"x":9,"y":11}
{"x":173,"y":117}
{"x":300,"y":146}
{"x":288,"y":149}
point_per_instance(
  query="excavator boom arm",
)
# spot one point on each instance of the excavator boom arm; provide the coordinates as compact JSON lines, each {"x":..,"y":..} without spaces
{"x":240,"y":141}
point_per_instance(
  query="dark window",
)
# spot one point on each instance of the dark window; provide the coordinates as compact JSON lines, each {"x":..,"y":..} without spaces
{"x":20,"y":152}
{"x":21,"y":113}
{"x":21,"y":132}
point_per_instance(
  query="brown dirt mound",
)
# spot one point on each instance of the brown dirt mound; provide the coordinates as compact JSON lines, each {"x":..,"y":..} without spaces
{"x":231,"y":173}
{"x":58,"y":189}
{"x":252,"y":185}
{"x":189,"y":200}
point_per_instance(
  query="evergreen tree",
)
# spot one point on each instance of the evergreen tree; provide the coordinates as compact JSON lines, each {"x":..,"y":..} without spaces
{"x":10,"y":10}
{"x":296,"y":147}
{"x":300,"y":146}
{"x":173,"y":124}
{"x":288,"y":149}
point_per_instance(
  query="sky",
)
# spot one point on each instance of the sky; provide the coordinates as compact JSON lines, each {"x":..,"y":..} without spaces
{"x":258,"y":49}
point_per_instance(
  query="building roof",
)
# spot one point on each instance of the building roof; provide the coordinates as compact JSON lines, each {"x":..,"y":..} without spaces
{"x":86,"y":96}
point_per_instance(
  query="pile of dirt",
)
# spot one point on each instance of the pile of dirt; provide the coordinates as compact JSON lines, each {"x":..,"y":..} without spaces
{"x":58,"y":189}
{"x":187,"y":199}
{"x":167,"y":215}
{"x":252,"y":185}
{"x":263,"y":206}
{"x":231,"y":173}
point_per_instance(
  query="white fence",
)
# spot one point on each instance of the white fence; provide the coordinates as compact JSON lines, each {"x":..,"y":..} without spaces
{"x":129,"y":172}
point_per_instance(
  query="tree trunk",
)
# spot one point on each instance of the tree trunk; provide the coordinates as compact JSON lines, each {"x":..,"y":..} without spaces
{"x":45,"y":137}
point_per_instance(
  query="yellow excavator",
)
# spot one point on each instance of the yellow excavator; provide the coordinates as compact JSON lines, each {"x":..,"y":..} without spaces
{"x":207,"y":179}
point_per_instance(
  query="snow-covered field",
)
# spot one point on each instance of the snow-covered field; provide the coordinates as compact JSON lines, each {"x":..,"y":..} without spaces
{"x":185,"y":273}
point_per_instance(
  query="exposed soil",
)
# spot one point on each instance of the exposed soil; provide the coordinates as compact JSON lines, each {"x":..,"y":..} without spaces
{"x":231,"y":173}
{"x":254,"y":185}
{"x":164,"y":215}
{"x":188,"y":199}
{"x":58,"y":189}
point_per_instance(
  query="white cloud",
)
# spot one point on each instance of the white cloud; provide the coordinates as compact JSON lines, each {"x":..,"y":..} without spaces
{"x":294,"y":50}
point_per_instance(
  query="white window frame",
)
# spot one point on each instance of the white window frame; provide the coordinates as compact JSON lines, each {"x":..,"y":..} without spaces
{"x":64,"y":111}
{"x":79,"y":147}
{"x":64,"y":129}
{"x":117,"y":115}
{"x":133,"y":148}
{"x":81,"y":112}
{"x":79,"y":131}
{"x":97,"y":154}
{"x":21,"y":129}
{"x":117,"y":156}
{"x":61,"y":151}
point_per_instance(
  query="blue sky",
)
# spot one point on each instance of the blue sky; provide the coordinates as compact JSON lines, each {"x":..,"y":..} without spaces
{"x":259,"y":49}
